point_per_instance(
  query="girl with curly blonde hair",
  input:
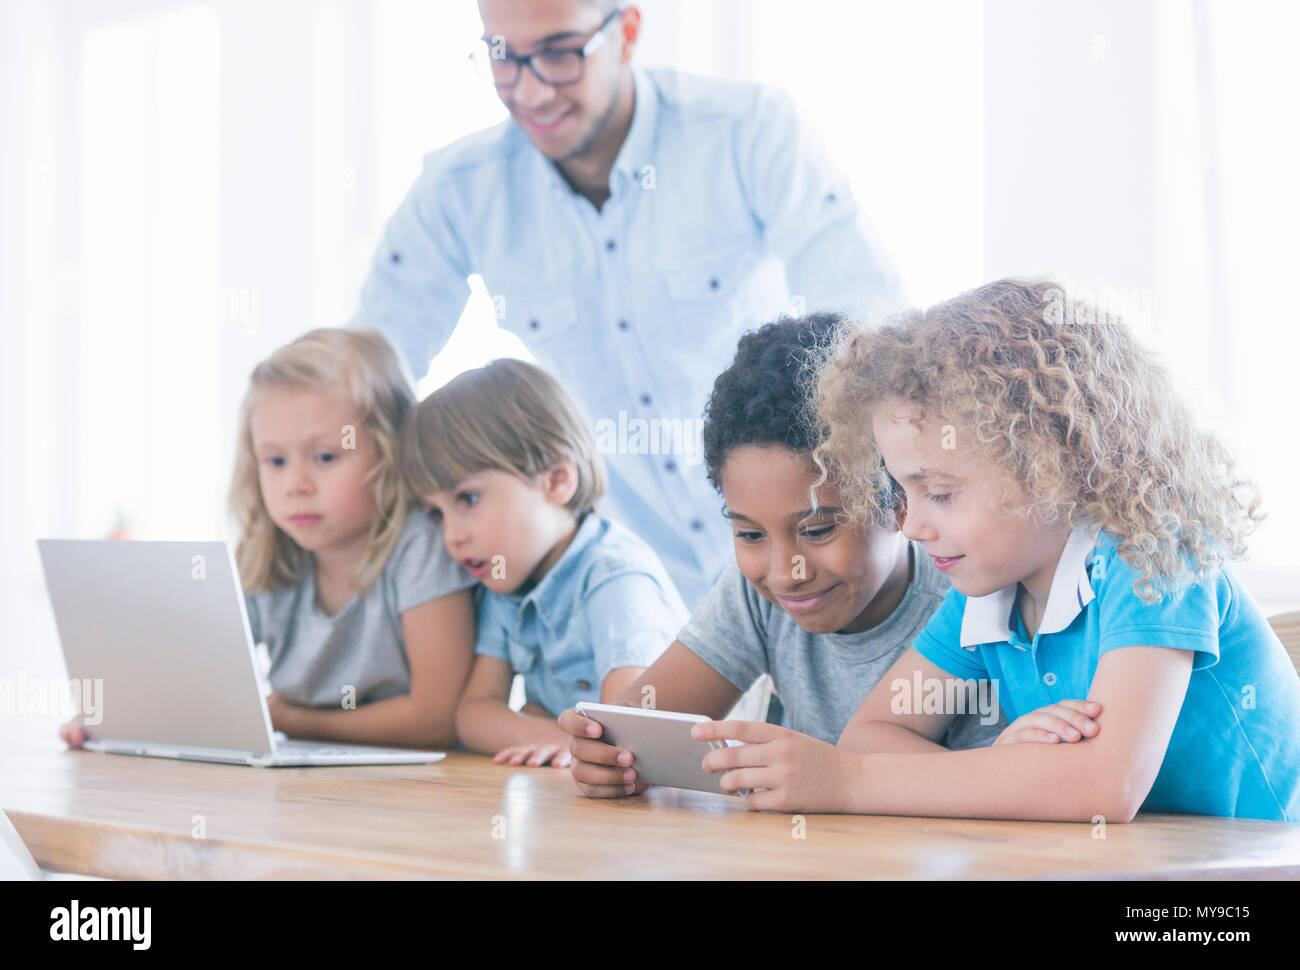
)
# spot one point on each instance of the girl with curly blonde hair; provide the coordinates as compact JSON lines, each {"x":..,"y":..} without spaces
{"x":1087,"y":527}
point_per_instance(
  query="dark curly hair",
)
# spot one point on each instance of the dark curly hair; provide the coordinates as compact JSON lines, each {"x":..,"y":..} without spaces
{"x":766,"y":396}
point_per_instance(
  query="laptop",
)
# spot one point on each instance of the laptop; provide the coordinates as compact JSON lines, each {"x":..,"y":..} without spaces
{"x":162,"y":626}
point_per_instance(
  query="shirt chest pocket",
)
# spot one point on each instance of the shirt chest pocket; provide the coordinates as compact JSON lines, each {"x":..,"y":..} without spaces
{"x":576,"y":671}
{"x":538,"y":316}
{"x":711,"y":295}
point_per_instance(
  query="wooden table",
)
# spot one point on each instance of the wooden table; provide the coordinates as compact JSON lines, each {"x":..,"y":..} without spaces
{"x":129,"y":817}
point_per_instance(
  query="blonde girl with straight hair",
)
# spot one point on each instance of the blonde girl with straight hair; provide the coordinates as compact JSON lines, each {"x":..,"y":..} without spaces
{"x":574,"y":602}
{"x":368,"y":621}
{"x":1088,"y":527}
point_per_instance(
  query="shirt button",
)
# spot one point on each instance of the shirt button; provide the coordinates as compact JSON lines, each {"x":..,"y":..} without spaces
{"x":534,"y":325}
{"x":584,"y":685}
{"x":670,"y":465}
{"x":1049,"y":678}
{"x":610,"y":245}
{"x":697,"y":525}
{"x":645,"y":398}
{"x":396,"y":258}
{"x":623,"y":325}
{"x":713,"y":283}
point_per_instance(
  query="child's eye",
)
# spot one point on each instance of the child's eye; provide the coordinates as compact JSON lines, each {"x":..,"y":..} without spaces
{"x":274,"y":461}
{"x":749,"y":536}
{"x":326,"y":456}
{"x":469,"y":498}
{"x":940,"y":498}
{"x":819,"y":533}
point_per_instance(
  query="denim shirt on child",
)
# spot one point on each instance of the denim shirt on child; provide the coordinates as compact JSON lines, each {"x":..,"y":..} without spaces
{"x":607,"y":603}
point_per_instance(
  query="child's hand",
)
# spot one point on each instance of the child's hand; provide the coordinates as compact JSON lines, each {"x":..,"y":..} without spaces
{"x":284,"y":715}
{"x":73,"y":735}
{"x":600,"y":769}
{"x":1063,"y":721}
{"x":535,"y":754}
{"x":786,"y":771}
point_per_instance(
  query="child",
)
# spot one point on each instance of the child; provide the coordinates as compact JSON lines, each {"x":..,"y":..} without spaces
{"x":368,"y":621}
{"x":1085,"y":525}
{"x":574,"y":602}
{"x":823,"y":604}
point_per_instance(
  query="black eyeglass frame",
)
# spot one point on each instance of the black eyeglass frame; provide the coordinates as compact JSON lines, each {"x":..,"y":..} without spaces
{"x":592,"y":44}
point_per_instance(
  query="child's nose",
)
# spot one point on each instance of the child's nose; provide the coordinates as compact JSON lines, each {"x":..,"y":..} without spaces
{"x":917,"y":527}
{"x":300,"y":481}
{"x":787,"y":565}
{"x":452,"y":533}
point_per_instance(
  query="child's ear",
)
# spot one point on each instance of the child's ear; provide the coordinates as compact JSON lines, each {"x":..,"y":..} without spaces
{"x":900,"y":512}
{"x":560,"y":481}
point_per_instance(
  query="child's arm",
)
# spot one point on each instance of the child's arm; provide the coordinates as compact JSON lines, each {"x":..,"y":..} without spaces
{"x":877,"y":727}
{"x":1141,"y":691}
{"x":486,"y":723}
{"x":439,"y":637}
{"x":678,"y":681}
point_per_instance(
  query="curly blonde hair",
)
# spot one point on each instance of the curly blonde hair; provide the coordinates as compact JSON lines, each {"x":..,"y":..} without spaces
{"x":1076,"y":411}
{"x":362,"y":365}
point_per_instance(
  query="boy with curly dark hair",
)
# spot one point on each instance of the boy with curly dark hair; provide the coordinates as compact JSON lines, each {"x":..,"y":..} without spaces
{"x":822,"y":602}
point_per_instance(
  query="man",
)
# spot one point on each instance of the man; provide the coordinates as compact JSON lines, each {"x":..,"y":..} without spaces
{"x":630,"y":226}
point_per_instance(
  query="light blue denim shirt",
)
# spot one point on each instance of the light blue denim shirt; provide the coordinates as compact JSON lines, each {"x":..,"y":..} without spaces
{"x":607,"y":603}
{"x":637,"y":307}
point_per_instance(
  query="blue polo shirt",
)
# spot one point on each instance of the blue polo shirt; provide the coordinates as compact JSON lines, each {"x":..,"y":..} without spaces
{"x":606,"y":603}
{"x":1235,"y":749}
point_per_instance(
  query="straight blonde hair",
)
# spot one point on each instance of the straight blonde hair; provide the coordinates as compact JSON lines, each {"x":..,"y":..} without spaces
{"x":362,"y":365}
{"x":509,"y":416}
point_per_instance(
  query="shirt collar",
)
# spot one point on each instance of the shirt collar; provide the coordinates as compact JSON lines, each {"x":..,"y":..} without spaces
{"x":638,"y":147}
{"x":555,"y":589}
{"x":987,"y":619}
{"x":634,"y":156}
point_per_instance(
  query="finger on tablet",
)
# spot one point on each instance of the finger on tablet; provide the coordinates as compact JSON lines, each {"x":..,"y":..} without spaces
{"x":598,"y":752}
{"x":611,"y":791}
{"x":600,"y":775}
{"x":577,"y":725}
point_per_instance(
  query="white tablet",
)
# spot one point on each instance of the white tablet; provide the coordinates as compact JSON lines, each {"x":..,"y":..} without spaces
{"x":663,"y":751}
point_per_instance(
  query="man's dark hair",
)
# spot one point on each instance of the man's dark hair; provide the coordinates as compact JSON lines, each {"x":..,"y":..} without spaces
{"x":765,"y":396}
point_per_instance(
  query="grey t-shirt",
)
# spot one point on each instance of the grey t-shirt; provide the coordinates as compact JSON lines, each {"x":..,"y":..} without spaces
{"x":821,"y":678}
{"x":315,"y":657}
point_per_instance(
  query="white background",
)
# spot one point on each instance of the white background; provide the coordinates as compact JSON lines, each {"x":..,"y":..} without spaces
{"x":185,"y":187}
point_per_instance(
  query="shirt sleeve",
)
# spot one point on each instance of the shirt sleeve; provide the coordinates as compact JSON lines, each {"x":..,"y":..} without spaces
{"x":418,"y":283}
{"x":728,"y":631}
{"x":810,"y":219}
{"x":940,"y":641}
{"x":629,"y":620}
{"x":1188,"y":620}
{"x":422,"y":569}
{"x":254,"y":617}
{"x":490,"y":637}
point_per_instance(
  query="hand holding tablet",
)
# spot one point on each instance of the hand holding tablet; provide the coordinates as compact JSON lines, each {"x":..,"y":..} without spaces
{"x":660,"y":742}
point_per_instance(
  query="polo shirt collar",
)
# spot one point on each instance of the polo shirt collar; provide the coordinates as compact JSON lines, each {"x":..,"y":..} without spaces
{"x":987,"y":619}
{"x":559,"y":586}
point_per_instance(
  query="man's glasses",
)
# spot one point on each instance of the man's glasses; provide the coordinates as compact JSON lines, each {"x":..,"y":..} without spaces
{"x":556,"y":66}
